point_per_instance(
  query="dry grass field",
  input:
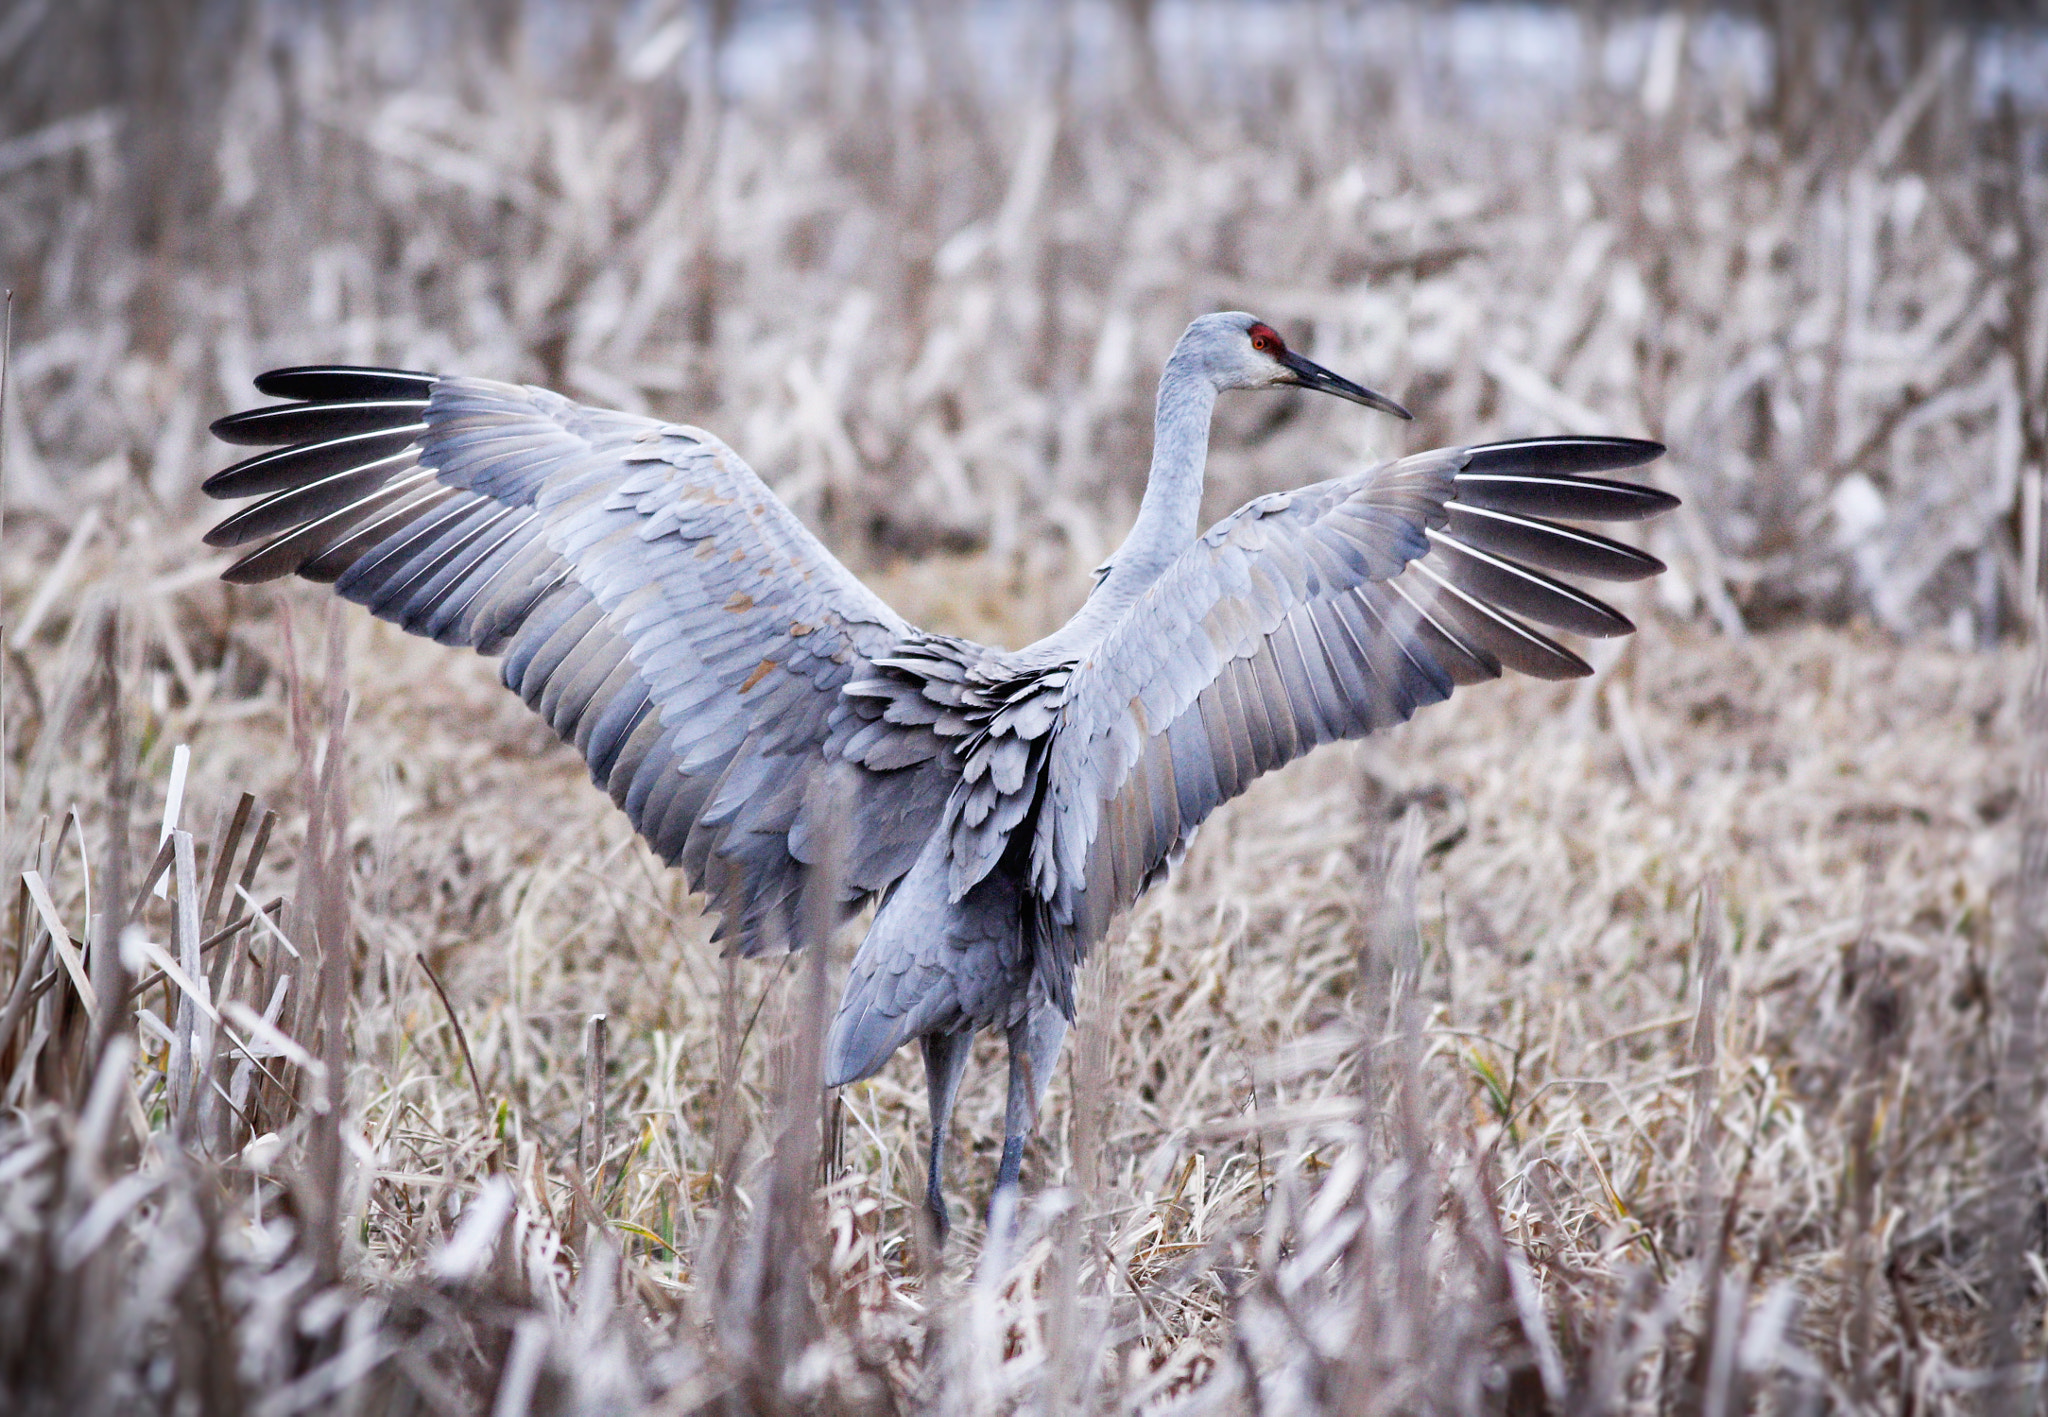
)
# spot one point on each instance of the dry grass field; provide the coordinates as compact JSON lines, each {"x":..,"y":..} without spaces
{"x":1664,"y":1042}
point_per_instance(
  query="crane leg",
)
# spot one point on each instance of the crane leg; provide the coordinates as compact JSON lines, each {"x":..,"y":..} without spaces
{"x":1034,"y":1048}
{"x":945,"y":1058}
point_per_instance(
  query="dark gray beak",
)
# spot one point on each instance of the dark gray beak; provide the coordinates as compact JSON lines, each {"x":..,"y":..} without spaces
{"x":1310,"y":375}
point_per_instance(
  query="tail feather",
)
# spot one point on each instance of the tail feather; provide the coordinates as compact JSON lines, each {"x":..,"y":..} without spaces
{"x":929,"y":964}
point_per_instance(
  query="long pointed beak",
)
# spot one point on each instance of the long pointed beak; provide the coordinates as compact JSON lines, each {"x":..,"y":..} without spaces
{"x":1310,"y":375}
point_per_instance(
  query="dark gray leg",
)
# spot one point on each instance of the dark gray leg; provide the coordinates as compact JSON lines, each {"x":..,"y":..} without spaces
{"x":1034,"y":1048}
{"x":945,"y":1058}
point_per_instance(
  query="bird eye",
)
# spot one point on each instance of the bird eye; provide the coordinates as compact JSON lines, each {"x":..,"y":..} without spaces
{"x":1264,"y":340}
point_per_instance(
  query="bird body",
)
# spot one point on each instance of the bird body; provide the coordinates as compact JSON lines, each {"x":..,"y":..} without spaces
{"x":751,"y":705}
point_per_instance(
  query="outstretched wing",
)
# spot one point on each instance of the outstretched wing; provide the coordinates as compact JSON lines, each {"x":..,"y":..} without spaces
{"x":651,"y":598}
{"x":1310,"y":616}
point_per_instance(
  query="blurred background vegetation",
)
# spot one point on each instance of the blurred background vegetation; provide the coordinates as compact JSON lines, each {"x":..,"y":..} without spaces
{"x":919,"y":262}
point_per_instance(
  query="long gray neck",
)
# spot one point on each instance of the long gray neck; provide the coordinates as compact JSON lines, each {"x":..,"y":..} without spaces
{"x":1166,"y":524}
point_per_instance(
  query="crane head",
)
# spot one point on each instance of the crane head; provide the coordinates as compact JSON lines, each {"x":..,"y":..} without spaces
{"x":1241,"y":351}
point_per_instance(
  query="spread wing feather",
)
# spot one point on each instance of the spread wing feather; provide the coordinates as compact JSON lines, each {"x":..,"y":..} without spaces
{"x":649,"y":597}
{"x":1311,"y":616}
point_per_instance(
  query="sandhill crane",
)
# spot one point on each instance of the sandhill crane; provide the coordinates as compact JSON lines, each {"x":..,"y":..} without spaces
{"x":732,"y":685}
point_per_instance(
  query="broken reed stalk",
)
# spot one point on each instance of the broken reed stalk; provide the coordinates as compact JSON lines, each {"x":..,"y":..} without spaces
{"x":1711,"y":980}
{"x":6,"y":758}
{"x":1418,"y":1194}
{"x":320,"y":908}
{"x":768,"y":1313}
{"x":476,"y":1083}
{"x":592,"y":1133}
{"x":1707,"y":1379}
{"x":194,"y":1092}
{"x":1361,"y":1365}
{"x":113,"y":982}
{"x":1080,"y":1230}
{"x":728,"y":1129}
{"x":24,"y":992}
{"x":1868,"y":992}
{"x":2011,"y":1303}
{"x":227,"y":841}
{"x":1386,"y":1267}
